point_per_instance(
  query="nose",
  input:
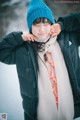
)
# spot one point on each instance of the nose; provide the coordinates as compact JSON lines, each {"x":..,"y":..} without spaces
{"x":42,"y":28}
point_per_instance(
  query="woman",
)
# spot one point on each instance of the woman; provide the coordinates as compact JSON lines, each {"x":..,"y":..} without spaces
{"x":43,"y":66}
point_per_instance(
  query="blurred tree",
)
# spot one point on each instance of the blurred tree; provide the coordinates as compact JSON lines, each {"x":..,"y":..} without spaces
{"x":2,"y":1}
{"x":62,"y":7}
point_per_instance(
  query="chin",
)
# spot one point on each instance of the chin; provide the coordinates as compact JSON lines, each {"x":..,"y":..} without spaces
{"x":42,"y":39}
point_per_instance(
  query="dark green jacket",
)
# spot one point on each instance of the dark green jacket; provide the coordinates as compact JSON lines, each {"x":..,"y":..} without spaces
{"x":13,"y":50}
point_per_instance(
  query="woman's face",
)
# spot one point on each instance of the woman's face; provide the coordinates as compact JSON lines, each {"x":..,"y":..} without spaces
{"x":41,"y":28}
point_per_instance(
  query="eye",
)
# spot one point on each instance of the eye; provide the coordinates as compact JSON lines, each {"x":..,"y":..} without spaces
{"x":41,"y":20}
{"x":46,"y":21}
{"x":37,"y":21}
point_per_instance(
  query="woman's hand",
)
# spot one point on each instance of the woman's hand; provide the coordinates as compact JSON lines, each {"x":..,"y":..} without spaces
{"x":55,"y":29}
{"x":28,"y":37}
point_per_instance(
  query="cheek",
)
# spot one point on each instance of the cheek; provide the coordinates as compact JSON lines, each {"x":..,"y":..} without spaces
{"x":34,"y":30}
{"x":48,"y":28}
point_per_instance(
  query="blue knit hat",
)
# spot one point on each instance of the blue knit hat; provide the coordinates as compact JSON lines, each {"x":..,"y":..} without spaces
{"x":38,"y":9}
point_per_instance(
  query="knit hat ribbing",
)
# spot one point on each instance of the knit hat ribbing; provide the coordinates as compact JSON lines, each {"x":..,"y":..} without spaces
{"x":38,"y":9}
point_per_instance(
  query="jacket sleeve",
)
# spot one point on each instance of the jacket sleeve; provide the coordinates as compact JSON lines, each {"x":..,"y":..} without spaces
{"x":8,"y":46}
{"x":70,"y":22}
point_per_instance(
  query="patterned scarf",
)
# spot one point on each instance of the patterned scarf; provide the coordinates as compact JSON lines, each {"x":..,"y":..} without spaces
{"x":63,"y":89}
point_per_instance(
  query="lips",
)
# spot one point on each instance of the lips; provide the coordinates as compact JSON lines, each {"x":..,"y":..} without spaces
{"x":42,"y":33}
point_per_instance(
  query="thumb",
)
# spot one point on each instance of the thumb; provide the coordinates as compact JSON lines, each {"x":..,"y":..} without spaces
{"x":54,"y":34}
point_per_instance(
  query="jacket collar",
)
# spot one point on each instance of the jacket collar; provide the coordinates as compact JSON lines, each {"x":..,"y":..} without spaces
{"x":33,"y":54}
